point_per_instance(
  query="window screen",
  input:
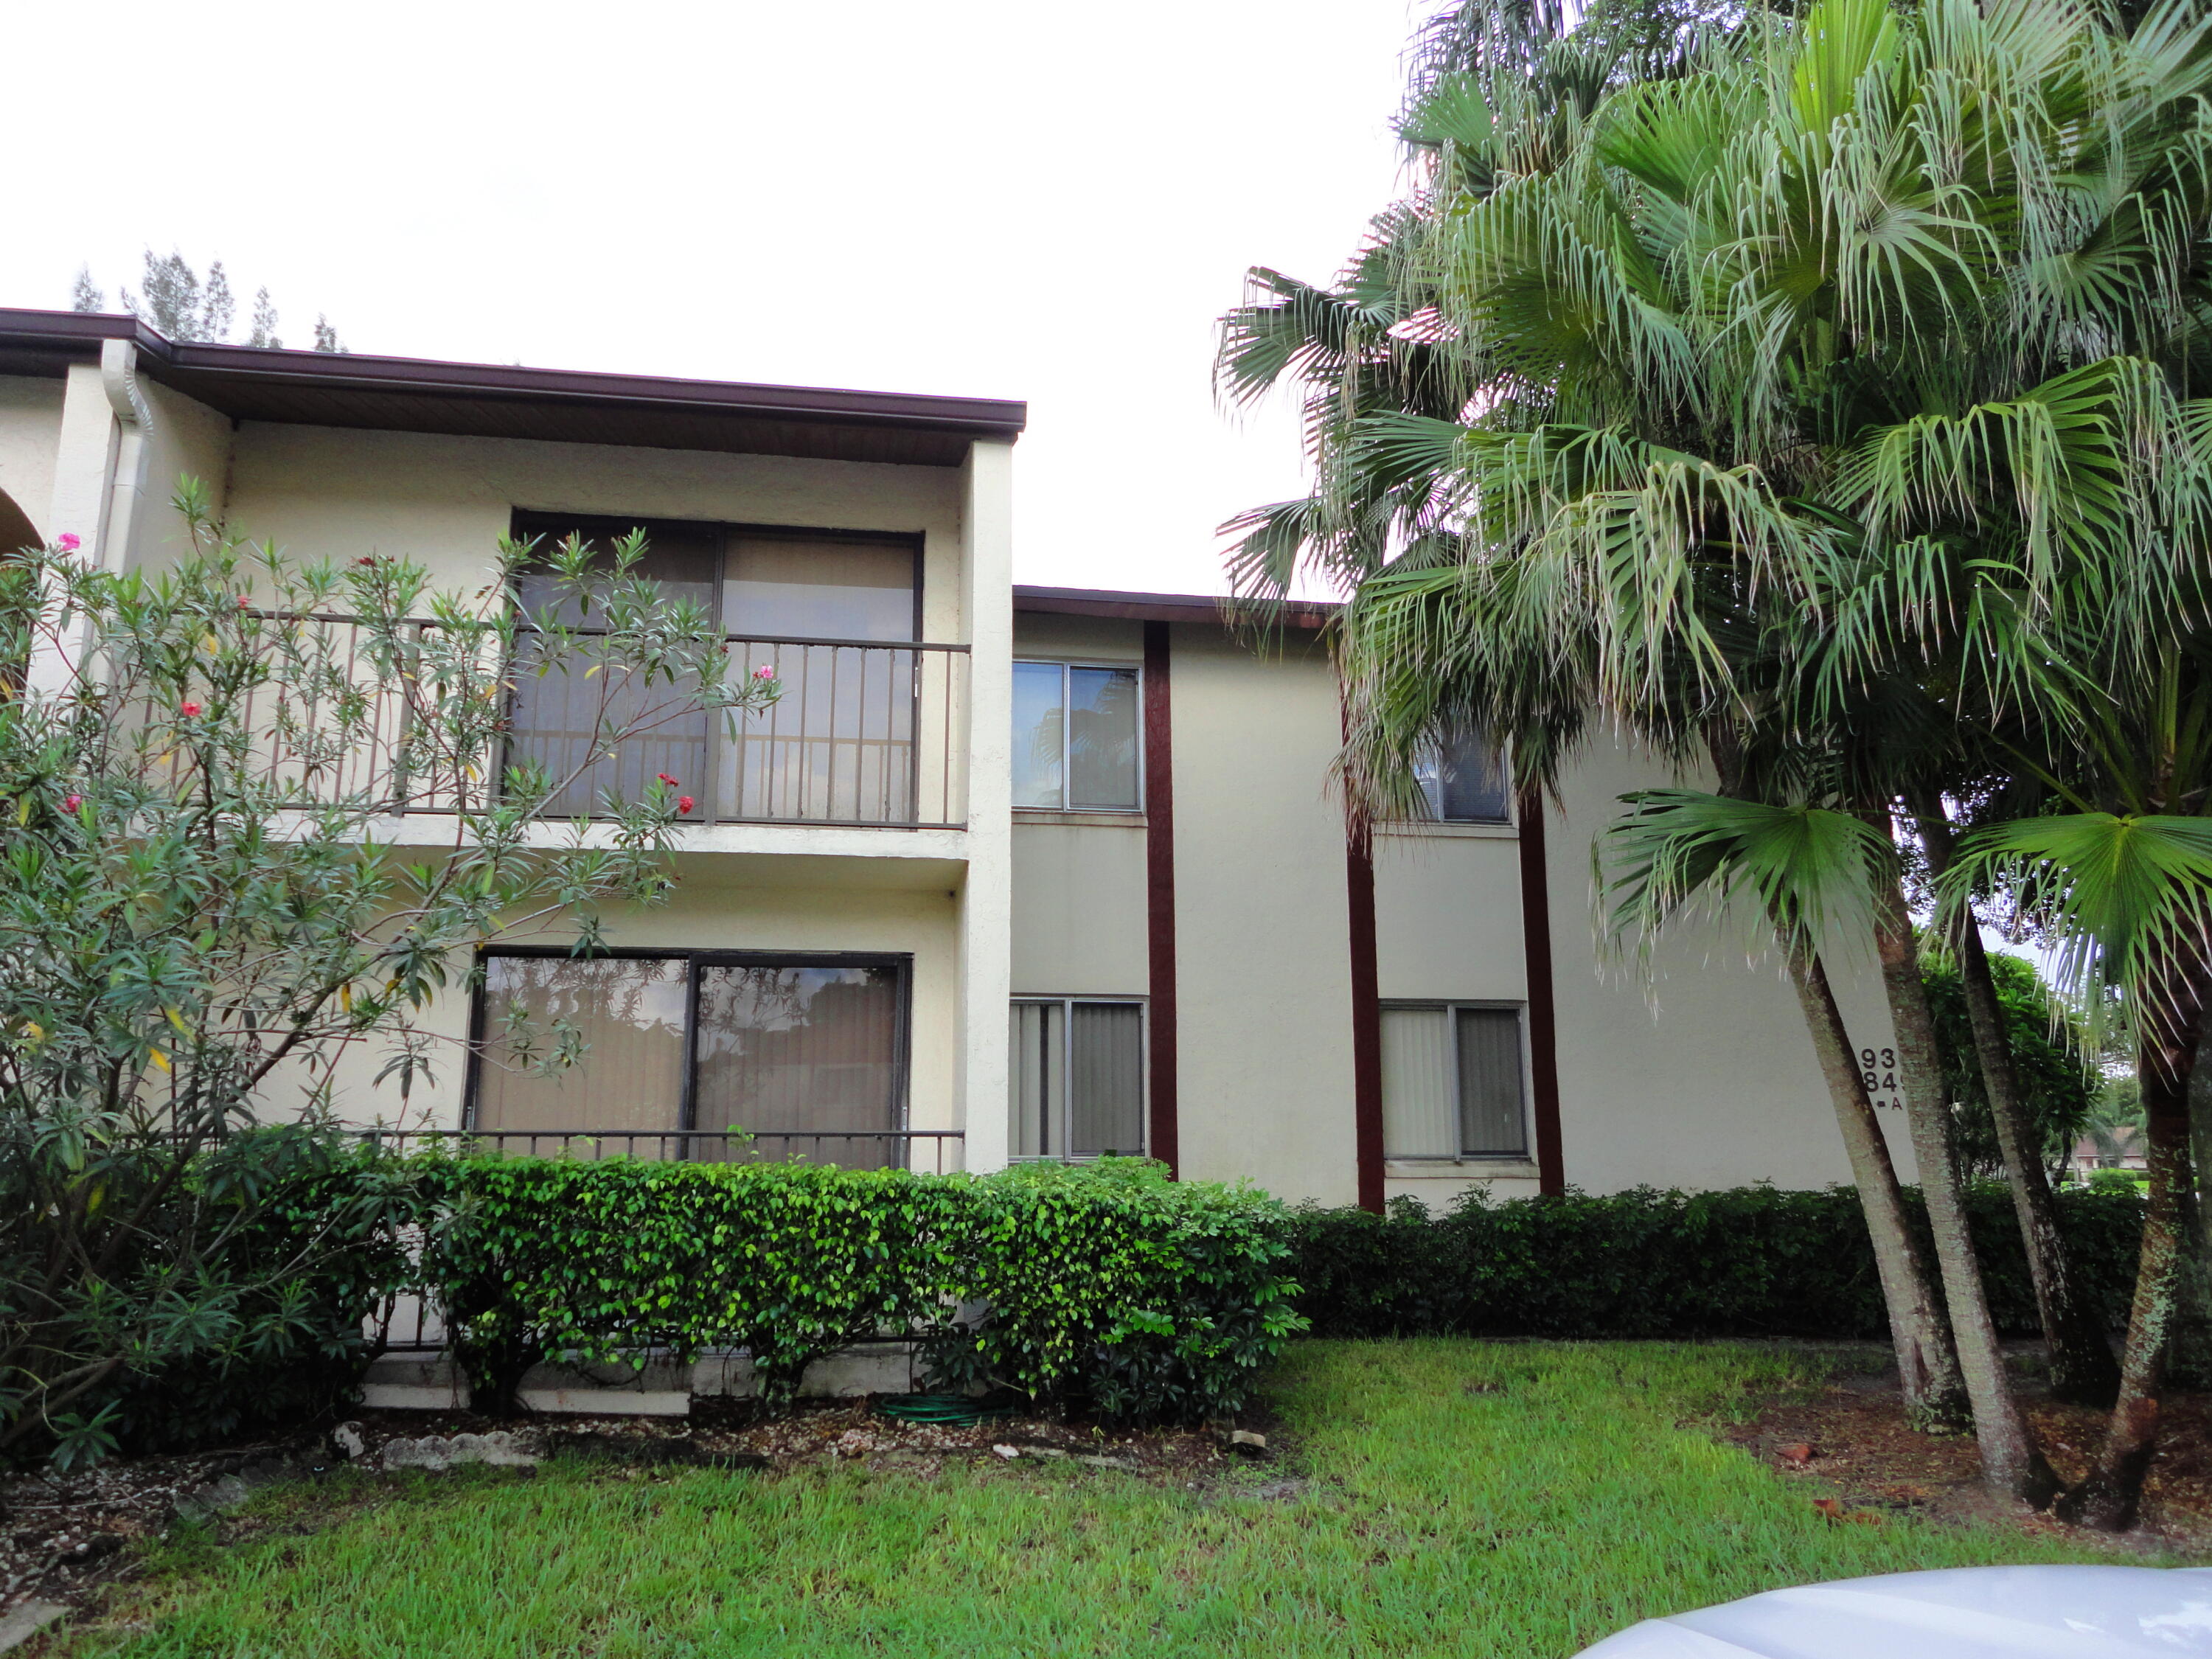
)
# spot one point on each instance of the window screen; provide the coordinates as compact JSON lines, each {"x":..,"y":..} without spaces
{"x":1451,"y":1083}
{"x":1076,"y":1078}
{"x":1075,"y":737}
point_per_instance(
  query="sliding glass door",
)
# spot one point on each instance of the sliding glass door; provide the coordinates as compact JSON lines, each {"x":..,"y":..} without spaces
{"x":704,"y":1054}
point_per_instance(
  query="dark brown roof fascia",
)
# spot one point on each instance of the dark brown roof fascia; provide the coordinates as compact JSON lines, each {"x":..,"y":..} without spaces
{"x":1172,"y":607}
{"x":252,"y":381}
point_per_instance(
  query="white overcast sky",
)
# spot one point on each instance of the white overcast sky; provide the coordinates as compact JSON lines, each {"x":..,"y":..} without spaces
{"x":995,"y":197}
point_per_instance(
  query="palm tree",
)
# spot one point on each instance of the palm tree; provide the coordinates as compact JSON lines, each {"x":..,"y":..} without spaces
{"x":1864,"y":321}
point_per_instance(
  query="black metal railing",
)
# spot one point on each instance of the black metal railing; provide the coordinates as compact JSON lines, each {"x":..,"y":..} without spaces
{"x":935,"y":1152}
{"x":866,"y":734}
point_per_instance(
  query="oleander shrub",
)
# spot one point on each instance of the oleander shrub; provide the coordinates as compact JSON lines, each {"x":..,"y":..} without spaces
{"x":1744,"y":1262}
{"x":233,"y":1288}
{"x":1149,"y":1298}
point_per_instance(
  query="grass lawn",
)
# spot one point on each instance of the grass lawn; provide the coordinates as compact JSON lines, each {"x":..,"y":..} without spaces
{"x":1532,"y":1520}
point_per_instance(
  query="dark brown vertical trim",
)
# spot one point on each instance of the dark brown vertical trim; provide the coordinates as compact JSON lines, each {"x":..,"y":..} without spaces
{"x":1160,"y":898}
{"x":1367,"y":1020}
{"x":1543,"y":1012}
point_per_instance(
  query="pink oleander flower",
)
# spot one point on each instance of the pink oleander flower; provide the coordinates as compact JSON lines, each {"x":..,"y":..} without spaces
{"x":684,"y":804}
{"x":69,"y":542}
{"x":764,"y":672}
{"x":188,"y":709}
{"x":665,"y":779}
{"x":71,"y":802}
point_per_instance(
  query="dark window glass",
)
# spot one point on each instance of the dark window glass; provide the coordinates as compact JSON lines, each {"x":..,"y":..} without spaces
{"x":793,"y":1059}
{"x":1490,"y":1121}
{"x":786,"y":1050}
{"x":1075,"y":737}
{"x":1463,"y":779}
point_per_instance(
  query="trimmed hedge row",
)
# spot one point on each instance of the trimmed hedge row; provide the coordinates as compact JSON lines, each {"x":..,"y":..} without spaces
{"x":1746,"y":1261}
{"x":1148,"y":1298}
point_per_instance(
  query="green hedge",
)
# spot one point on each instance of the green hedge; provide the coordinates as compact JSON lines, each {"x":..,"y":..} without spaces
{"x":1150,"y":1298}
{"x":1746,"y":1261}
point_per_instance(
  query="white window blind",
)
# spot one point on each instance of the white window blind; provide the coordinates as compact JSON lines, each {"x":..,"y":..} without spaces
{"x":1452,"y":1083}
{"x":1076,"y":1078}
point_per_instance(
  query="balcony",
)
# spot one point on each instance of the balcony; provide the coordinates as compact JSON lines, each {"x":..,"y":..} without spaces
{"x":865,"y":735}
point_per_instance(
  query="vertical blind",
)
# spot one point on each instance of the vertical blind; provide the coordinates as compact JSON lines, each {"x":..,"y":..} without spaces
{"x":1451,"y":1083}
{"x":629,"y":1014}
{"x":1076,"y":1077}
{"x":786,"y":1049}
{"x":780,"y":1052}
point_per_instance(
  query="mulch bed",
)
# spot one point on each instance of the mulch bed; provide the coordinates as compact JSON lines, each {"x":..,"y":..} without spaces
{"x":66,"y":1538}
{"x":1851,"y":1441}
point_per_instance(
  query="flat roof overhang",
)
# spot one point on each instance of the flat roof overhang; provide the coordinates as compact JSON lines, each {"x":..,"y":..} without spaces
{"x":414,"y":394}
{"x":1173,"y":607}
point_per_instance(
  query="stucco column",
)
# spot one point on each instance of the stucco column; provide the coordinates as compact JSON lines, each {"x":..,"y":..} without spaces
{"x":986,"y":900}
{"x":85,"y":454}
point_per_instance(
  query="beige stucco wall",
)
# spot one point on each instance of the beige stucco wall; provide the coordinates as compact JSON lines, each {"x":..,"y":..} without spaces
{"x":1703,"y":1077}
{"x":187,"y":438}
{"x":1263,"y":964}
{"x":1079,"y":878}
{"x":1448,"y":928}
{"x":1702,"y":1074}
{"x":445,"y":502}
{"x":30,"y":434}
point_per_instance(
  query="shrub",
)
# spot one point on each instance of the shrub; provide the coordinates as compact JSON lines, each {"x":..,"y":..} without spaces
{"x":230,"y":1293}
{"x":1153,"y":1298}
{"x":1746,"y":1261}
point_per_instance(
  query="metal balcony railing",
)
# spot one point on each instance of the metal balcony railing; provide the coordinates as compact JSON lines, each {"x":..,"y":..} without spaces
{"x":866,"y":734}
{"x":933,"y":1152}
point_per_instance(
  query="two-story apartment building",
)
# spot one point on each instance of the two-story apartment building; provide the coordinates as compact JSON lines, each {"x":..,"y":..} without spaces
{"x":1007,"y":872}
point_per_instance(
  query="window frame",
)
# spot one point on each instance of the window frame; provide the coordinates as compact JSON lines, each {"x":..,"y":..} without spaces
{"x":525,"y":522}
{"x":900,"y":963}
{"x":1064,"y":664}
{"x":1449,"y":1007}
{"x":1066,"y":1005}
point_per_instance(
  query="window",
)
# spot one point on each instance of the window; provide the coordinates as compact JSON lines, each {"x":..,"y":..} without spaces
{"x":1075,"y":737}
{"x":806,"y":1055}
{"x":1076,"y":1077}
{"x":812,"y":607}
{"x":1451,"y":1082}
{"x":1463,"y":779}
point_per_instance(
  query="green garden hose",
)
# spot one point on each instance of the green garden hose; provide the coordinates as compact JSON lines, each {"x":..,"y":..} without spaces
{"x":951,"y":1411}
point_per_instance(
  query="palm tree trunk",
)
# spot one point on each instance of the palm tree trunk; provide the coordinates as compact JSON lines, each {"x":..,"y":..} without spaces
{"x":2011,"y":1462}
{"x":2083,"y":1369}
{"x":2112,"y":1493}
{"x":1927,"y":1364}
